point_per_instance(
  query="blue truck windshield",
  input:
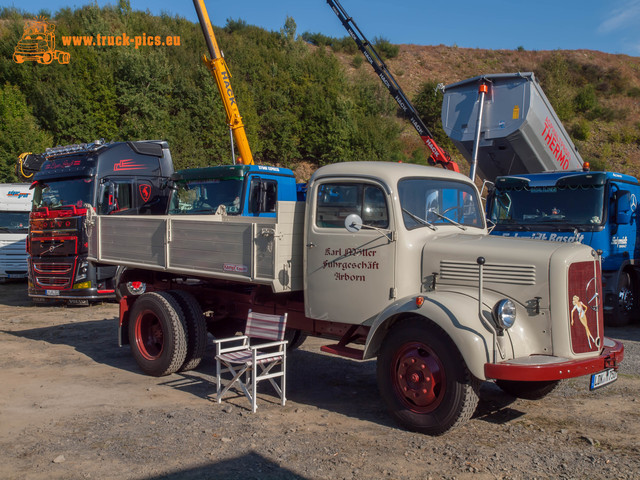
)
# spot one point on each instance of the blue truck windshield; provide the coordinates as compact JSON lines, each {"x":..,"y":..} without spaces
{"x":64,"y":193}
{"x":200,"y":197}
{"x":557,"y":205}
{"x":431,"y":202}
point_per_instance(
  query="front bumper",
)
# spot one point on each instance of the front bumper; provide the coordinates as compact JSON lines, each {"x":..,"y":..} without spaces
{"x":72,"y":294}
{"x":540,"y":368}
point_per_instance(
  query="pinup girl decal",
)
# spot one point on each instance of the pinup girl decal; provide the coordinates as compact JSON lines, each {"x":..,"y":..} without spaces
{"x":581,"y":308}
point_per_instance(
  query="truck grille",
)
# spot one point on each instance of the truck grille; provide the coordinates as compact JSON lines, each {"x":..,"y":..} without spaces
{"x":585,"y":307}
{"x":57,"y":275}
{"x":492,"y":272}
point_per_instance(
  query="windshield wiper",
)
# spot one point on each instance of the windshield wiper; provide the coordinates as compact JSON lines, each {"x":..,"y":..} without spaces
{"x":420,"y":220}
{"x":453,"y":222}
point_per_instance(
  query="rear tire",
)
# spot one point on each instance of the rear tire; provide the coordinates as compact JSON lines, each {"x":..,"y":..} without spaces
{"x":423,"y":379}
{"x":158,"y":334}
{"x":196,"y":329}
{"x":528,"y":390}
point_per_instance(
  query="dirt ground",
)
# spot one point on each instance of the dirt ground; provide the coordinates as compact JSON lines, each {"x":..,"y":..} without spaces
{"x":73,"y":405}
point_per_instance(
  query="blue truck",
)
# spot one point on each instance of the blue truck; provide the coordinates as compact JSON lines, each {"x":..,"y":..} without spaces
{"x":594,"y":208}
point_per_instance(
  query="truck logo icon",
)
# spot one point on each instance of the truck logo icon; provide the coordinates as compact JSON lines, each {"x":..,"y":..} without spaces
{"x":38,"y":43}
{"x":145,"y":192}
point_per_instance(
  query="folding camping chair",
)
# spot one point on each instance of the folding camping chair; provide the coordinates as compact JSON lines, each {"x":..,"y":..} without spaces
{"x":254,"y":362}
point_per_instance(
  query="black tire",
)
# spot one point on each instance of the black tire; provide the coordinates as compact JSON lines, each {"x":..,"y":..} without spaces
{"x":625,"y":301}
{"x":196,"y":329}
{"x":528,"y":390}
{"x":158,"y":334}
{"x":295,"y":338}
{"x":423,"y":379}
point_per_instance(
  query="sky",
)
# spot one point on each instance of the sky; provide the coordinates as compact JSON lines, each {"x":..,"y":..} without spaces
{"x":611,"y":26}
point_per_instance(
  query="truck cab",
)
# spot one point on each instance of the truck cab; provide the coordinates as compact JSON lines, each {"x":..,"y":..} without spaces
{"x":236,"y":190}
{"x":594,"y":208}
{"x":15,"y":205}
{"x":117,"y":178}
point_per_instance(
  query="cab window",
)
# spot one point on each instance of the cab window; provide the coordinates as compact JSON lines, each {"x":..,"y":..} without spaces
{"x":116,"y":198}
{"x":338,"y":200}
{"x":263,"y":195}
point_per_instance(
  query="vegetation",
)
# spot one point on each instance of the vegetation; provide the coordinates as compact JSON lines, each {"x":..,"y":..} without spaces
{"x":304,"y":98}
{"x":296,"y":101}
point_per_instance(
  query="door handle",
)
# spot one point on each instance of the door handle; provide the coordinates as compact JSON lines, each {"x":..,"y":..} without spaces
{"x":311,"y":245}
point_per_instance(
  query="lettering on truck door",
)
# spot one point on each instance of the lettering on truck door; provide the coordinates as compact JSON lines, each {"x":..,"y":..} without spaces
{"x":350,"y":277}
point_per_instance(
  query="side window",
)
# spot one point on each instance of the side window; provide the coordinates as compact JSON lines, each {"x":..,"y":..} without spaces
{"x":336,"y":201}
{"x":116,"y":197}
{"x":263,"y":195}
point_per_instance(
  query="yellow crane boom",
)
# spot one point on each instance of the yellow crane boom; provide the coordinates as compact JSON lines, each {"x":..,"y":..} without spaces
{"x":221,"y":73}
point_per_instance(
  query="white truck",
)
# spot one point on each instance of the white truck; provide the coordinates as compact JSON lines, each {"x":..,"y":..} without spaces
{"x":15,"y":205}
{"x":392,"y":260}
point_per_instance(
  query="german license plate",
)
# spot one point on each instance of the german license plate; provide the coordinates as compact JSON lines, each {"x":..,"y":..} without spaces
{"x":52,"y":293}
{"x":603,"y":378}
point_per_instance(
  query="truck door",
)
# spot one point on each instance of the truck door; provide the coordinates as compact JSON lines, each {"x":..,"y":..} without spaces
{"x":349,"y":277}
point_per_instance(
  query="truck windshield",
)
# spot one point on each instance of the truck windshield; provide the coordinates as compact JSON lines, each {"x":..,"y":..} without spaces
{"x":63,"y":193}
{"x":429,"y":203}
{"x":207,"y":196}
{"x":557,"y":205}
{"x":14,"y":222}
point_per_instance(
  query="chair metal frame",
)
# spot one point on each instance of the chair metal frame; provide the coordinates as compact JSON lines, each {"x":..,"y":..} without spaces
{"x":253,"y":361}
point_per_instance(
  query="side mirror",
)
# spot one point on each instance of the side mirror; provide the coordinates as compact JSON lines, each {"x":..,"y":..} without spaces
{"x":623,"y":208}
{"x":353,"y":223}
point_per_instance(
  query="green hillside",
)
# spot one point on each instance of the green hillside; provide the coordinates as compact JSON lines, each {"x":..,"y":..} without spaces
{"x":305,"y":99}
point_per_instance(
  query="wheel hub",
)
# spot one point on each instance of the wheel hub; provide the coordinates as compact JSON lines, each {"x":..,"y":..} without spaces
{"x":149,"y":335}
{"x":625,"y":299}
{"x":419,"y":377}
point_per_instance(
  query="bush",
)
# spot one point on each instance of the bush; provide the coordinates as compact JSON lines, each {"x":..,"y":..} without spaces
{"x":586,"y":99}
{"x":633,"y":92}
{"x":581,"y":130}
{"x":385,"y":48}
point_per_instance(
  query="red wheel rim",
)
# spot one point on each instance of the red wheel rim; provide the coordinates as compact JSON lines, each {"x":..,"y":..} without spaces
{"x":149,"y":335}
{"x":418,"y":377}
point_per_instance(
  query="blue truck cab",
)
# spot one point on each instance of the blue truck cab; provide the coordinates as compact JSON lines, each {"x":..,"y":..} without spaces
{"x":594,"y":208}
{"x":242,"y":190}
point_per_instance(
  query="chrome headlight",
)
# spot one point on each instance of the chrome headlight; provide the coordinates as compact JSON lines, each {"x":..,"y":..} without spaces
{"x":136,"y":288}
{"x":504,"y":313}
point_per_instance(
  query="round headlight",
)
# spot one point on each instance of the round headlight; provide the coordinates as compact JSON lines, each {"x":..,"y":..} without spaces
{"x":505,"y":313}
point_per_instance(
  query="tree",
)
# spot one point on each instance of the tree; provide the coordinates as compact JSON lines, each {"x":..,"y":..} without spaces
{"x":19,"y":131}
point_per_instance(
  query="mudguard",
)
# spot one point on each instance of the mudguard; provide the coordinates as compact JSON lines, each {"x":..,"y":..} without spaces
{"x":455,"y":312}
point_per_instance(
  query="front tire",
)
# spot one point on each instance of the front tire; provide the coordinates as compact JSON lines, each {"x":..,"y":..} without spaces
{"x":423,"y":379}
{"x":625,"y":302}
{"x":158,"y":334}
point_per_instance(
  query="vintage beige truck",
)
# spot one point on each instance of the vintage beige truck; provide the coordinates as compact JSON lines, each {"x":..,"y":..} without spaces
{"x":392,"y":260}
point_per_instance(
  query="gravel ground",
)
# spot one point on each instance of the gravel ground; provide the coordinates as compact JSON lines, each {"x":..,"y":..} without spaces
{"x":74,"y":405}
